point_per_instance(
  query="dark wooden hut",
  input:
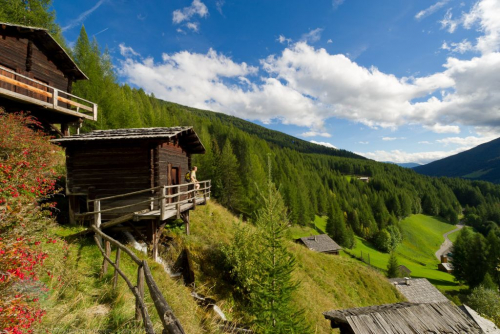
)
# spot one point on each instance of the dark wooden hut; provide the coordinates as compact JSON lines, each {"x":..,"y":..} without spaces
{"x":438,"y":318}
{"x":321,"y":243}
{"x":37,"y":74}
{"x":133,"y":175}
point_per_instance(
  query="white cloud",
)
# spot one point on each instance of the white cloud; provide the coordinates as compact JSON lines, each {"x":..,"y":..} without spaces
{"x":438,"y":128}
{"x":192,"y":26}
{"x":127,"y":51}
{"x":82,"y":16}
{"x":185,"y":14}
{"x":364,"y":142}
{"x":312,"y":36}
{"x":399,"y":156}
{"x":424,"y":142}
{"x":218,"y":5}
{"x":485,"y":13}
{"x":431,"y":10}
{"x":448,"y":22}
{"x":282,"y":39}
{"x":323,"y":143}
{"x":392,"y":138}
{"x":468,"y":142}
{"x":460,"y":47}
{"x":316,"y":134}
{"x":329,"y":41}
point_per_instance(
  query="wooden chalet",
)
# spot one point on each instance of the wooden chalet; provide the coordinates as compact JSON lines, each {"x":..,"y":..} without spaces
{"x":321,"y":243}
{"x":445,"y":266}
{"x":133,"y":175}
{"x":423,"y":318}
{"x":36,"y":76}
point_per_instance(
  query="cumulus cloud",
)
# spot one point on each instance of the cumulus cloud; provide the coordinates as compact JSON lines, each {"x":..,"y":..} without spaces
{"x":323,"y":143}
{"x":282,"y":39}
{"x":431,"y":10}
{"x":392,"y":138}
{"x":316,"y":134}
{"x":399,"y":156}
{"x":424,"y":142}
{"x":460,"y":47}
{"x":192,"y":26}
{"x":468,"y":142}
{"x":185,"y":14}
{"x":127,"y":51}
{"x":305,"y":86}
{"x":329,"y":41}
{"x":448,"y":22}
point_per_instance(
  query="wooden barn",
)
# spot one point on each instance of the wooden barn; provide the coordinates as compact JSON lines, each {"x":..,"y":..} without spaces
{"x":437,"y":318}
{"x":321,"y":243}
{"x":133,"y":175}
{"x":37,"y":75}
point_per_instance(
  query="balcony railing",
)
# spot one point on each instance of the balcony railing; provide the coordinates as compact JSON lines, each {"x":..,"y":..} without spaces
{"x":19,"y":87}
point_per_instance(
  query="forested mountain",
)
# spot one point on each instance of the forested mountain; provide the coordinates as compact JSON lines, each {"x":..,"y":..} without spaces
{"x":479,"y":163}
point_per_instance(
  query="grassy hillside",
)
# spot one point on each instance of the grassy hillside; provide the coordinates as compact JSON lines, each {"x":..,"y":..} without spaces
{"x":422,"y":237}
{"x":327,"y":282}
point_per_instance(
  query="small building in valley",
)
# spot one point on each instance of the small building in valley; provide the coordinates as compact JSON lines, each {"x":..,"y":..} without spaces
{"x":404,"y":271}
{"x":445,"y":266}
{"x":437,"y":318}
{"x":321,"y":243}
{"x":418,"y":290}
{"x":37,"y":75}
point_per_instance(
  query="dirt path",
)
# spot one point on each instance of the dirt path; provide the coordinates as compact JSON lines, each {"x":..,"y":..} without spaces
{"x":447,"y":244}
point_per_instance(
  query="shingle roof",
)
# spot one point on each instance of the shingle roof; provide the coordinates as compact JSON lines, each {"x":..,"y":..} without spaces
{"x":57,"y":53}
{"x":185,"y":134}
{"x":486,"y":325}
{"x":437,"y":318}
{"x":420,"y":290}
{"x":320,"y":243}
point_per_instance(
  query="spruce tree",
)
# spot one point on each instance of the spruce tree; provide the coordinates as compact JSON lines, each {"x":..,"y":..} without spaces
{"x":392,"y":266}
{"x":335,"y":225}
{"x":272,"y":296}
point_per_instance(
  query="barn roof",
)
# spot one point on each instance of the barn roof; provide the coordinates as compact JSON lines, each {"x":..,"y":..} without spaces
{"x":320,"y":243}
{"x":486,"y":325}
{"x":185,"y":134}
{"x":404,"y":268}
{"x":55,"y":51}
{"x":437,"y":318}
{"x":419,"y":290}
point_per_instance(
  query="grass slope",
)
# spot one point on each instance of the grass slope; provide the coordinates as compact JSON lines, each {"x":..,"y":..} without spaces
{"x":423,"y":235}
{"x":326,"y":282}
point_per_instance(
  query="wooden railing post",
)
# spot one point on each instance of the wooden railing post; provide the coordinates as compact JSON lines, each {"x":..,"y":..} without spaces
{"x":54,"y":98}
{"x":140,"y":288}
{"x":97,"y":218}
{"x":117,"y":262}
{"x":178,"y":200}
{"x":163,"y":202}
{"x":94,"y":110}
{"x":105,"y":262}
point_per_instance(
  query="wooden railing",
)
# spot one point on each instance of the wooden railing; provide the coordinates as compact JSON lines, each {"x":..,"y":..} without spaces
{"x":74,"y":104}
{"x":163,"y":200}
{"x":171,"y":324}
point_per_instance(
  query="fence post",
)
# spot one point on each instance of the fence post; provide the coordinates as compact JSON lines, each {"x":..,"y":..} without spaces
{"x":117,"y":262}
{"x":54,"y":98}
{"x":140,"y":288}
{"x":97,"y":218}
{"x":178,"y":199}
{"x":104,"y":270}
{"x":94,"y":107}
{"x":163,"y":202}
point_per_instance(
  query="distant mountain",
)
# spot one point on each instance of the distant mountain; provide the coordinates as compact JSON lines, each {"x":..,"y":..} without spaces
{"x":479,"y":163}
{"x":405,"y":164}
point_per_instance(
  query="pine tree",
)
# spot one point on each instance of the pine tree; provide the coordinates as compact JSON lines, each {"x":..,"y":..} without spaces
{"x":335,"y":225}
{"x":392,"y":266}
{"x":272,"y":295}
{"x":231,"y":183}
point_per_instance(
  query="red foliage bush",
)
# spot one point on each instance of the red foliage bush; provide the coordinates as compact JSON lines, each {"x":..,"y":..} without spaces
{"x":28,"y":164}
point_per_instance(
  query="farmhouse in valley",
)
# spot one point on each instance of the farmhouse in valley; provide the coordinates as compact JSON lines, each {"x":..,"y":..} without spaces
{"x":321,"y":243}
{"x":445,"y":266}
{"x":37,"y":75}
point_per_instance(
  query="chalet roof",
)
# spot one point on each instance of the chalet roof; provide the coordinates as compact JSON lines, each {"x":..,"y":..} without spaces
{"x":320,"y":243}
{"x":186,"y":135}
{"x":55,"y":51}
{"x":437,"y":318}
{"x":404,"y":268}
{"x":419,"y":290}
{"x":486,"y":325}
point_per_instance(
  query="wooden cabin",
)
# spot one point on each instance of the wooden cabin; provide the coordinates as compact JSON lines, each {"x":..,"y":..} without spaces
{"x":133,"y":175}
{"x":321,"y":243}
{"x":438,"y":318}
{"x":37,"y":75}
{"x":445,"y":266}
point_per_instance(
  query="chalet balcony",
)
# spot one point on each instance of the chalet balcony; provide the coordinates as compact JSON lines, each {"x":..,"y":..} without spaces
{"x":27,"y":91}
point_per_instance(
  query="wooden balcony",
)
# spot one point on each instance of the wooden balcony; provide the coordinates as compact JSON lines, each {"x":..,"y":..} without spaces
{"x":25,"y":90}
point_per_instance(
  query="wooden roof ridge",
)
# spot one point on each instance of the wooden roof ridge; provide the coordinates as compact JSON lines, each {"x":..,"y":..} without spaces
{"x":320,"y":243}
{"x":418,"y":318}
{"x":50,"y":43}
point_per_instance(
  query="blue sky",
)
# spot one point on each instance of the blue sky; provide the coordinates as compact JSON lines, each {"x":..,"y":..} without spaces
{"x":403,"y":81}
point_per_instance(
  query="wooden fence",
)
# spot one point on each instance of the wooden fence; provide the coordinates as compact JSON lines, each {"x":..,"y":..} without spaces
{"x":171,"y":324}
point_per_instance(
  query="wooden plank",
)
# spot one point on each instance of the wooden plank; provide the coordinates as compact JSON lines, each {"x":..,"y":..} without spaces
{"x":117,"y":262}
{"x":25,"y":86}
{"x":73,"y":103}
{"x":140,"y":289}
